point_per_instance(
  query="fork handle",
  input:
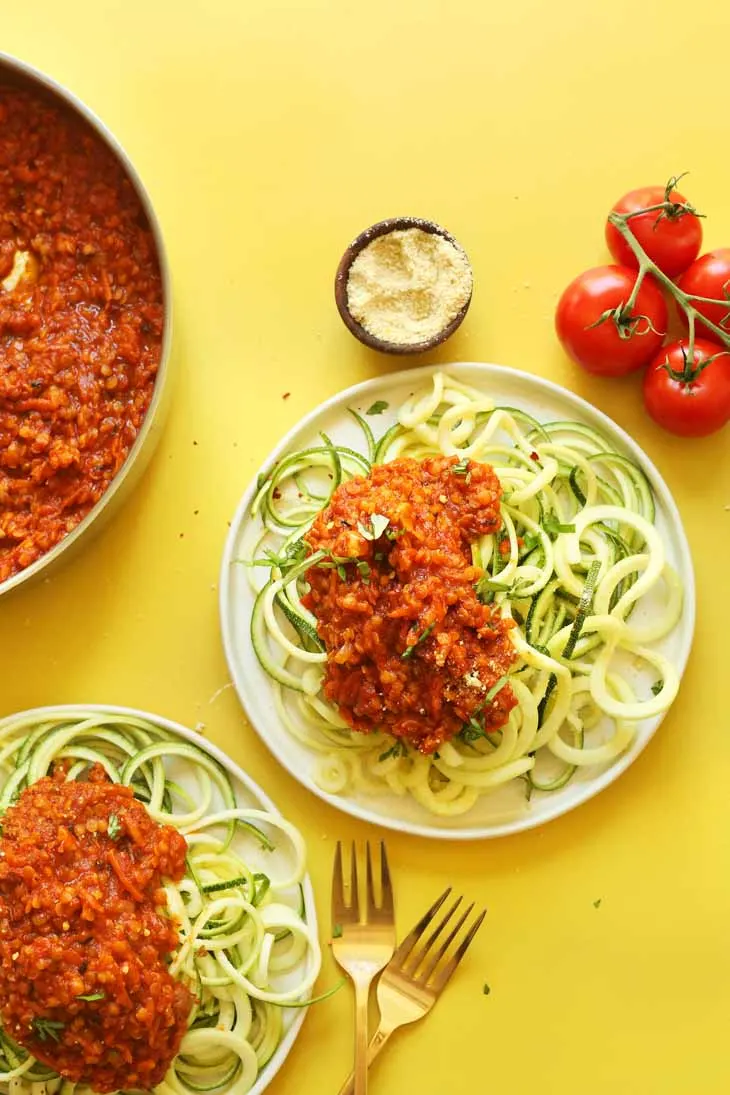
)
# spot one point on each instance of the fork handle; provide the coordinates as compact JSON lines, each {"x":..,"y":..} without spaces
{"x":377,"y":1042}
{"x":362,"y":992}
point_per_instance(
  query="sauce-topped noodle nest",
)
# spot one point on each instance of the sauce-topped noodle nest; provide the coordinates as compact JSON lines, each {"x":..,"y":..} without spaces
{"x":146,"y":941}
{"x":565,"y":569}
{"x":411,"y":648}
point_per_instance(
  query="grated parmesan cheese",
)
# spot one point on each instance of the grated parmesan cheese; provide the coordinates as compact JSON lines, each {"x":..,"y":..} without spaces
{"x":408,"y":285}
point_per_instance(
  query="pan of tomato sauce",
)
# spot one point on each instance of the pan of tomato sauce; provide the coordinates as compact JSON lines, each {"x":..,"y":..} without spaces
{"x":85,"y":324}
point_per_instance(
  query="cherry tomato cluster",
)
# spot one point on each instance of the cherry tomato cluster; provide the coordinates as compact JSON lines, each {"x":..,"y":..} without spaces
{"x":615,"y":319}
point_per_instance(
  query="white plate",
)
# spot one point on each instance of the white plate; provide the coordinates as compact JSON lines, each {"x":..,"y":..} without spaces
{"x":248,"y":795}
{"x":505,"y":809}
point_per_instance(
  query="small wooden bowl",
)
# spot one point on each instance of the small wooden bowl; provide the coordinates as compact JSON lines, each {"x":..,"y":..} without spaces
{"x":382,"y":228}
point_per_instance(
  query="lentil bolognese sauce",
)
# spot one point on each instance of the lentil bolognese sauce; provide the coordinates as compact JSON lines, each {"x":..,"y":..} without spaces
{"x":410,"y":647}
{"x":81,"y":319}
{"x":84,"y":932}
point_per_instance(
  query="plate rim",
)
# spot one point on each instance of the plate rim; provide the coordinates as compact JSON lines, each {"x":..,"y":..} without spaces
{"x":285,"y":1046}
{"x":394,"y":379}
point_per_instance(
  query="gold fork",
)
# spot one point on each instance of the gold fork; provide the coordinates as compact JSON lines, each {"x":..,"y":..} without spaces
{"x":362,"y":946}
{"x":416,"y":976}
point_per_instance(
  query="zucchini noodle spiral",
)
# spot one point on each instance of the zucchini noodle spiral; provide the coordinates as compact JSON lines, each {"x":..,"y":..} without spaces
{"x":246,"y":950}
{"x":577,"y":565}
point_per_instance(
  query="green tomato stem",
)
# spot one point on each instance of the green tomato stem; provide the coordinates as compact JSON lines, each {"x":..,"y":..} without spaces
{"x":691,"y":337}
{"x":629,"y":306}
{"x":707,"y":300}
{"x":646,"y":266}
{"x":647,"y":209}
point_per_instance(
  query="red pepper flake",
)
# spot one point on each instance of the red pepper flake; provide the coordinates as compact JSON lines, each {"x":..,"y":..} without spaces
{"x":535,"y":456}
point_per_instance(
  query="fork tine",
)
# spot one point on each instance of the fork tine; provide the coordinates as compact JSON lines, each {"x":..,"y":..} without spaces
{"x":415,"y":934}
{"x":434,"y":961}
{"x":371,"y":909}
{"x":444,"y":976}
{"x":423,"y":952}
{"x":386,"y":886}
{"x":338,"y":891}
{"x":354,"y":893}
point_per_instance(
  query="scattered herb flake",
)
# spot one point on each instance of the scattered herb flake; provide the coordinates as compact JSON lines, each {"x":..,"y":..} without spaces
{"x":378,"y":525}
{"x":363,"y":568}
{"x":286,"y":395}
{"x":471,"y":731}
{"x":397,"y":749}
{"x":657,"y":687}
{"x":377,"y":407}
{"x":294,"y":553}
{"x":597,"y":903}
{"x":486,"y":990}
{"x":462,"y":468}
{"x":47,"y":1028}
{"x":337,"y":931}
{"x":91,"y":996}
{"x":114,"y":827}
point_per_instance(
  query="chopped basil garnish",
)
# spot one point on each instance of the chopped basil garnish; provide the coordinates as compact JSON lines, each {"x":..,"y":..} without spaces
{"x":378,"y":525}
{"x":397,"y":749}
{"x":47,"y":1028}
{"x":363,"y":569}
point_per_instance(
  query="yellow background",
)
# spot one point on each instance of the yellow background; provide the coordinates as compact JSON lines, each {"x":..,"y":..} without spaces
{"x":269,"y":133}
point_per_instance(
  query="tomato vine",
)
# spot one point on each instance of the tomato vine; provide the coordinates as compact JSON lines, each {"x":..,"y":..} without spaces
{"x":684,"y":301}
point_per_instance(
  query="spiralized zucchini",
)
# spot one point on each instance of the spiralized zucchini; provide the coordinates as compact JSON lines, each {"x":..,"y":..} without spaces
{"x":246,"y":950}
{"x":577,"y":565}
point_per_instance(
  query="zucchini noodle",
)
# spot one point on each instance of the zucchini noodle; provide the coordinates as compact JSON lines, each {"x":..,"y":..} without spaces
{"x":246,"y":950}
{"x":578,"y":566}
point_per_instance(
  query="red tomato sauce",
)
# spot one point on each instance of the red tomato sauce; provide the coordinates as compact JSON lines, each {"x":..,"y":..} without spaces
{"x":80,"y":332}
{"x":411,"y":649}
{"x":83,"y":914}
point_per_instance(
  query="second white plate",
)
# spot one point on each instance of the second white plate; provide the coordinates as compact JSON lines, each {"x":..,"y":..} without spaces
{"x":505,"y":810}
